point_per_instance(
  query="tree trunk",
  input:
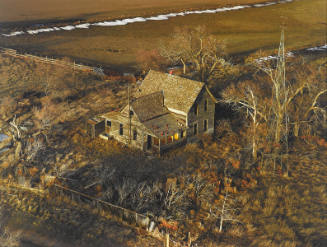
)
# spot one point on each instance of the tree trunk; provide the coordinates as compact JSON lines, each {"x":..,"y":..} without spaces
{"x":296,"y":129}
{"x":184,"y":66}
{"x":254,"y":148}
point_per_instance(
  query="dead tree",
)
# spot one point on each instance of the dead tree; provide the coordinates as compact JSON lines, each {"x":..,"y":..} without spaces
{"x":254,"y":104}
{"x":226,"y":212}
{"x":196,"y":49}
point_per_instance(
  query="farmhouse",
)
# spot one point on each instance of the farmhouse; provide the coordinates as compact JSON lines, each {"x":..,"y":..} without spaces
{"x":166,"y":111}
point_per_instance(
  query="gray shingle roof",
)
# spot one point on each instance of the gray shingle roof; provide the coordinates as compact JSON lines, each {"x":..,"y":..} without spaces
{"x":179,"y":93}
{"x":149,"y":106}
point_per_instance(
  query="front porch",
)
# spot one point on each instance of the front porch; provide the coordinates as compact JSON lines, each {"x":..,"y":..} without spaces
{"x":157,"y":145}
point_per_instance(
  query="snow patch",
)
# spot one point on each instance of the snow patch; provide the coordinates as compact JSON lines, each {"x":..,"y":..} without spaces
{"x":318,"y":48}
{"x":85,"y":25}
{"x":13,"y":34}
{"x":123,"y":22}
{"x":68,"y":28}
{"x":268,"y":58}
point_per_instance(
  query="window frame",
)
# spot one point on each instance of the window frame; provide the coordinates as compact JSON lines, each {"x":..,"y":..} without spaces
{"x":205,"y":105}
{"x":135,"y":135}
{"x":195,"y":129}
{"x":205,"y":125}
{"x":196,"y":109}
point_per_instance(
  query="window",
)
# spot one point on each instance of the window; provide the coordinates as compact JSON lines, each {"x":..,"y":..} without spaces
{"x":196,"y":109}
{"x":108,"y":123}
{"x":131,"y":113}
{"x":205,"y":125}
{"x":195,"y":129}
{"x":182,"y":133}
{"x":205,"y":105}
{"x":121,"y":129}
{"x":134,"y":135}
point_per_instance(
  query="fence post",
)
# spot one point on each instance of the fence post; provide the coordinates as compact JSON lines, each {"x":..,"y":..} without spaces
{"x":189,"y":241}
{"x":167,"y":240}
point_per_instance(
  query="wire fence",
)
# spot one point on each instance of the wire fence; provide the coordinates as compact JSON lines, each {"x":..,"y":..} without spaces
{"x":126,"y":215}
{"x":48,"y":60}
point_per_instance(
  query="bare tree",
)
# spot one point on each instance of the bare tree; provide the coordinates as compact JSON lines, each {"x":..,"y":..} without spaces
{"x":283,"y":101}
{"x":125,"y":189}
{"x":226,"y":212}
{"x":245,"y":96}
{"x":196,"y":49}
{"x":48,"y":115}
{"x":8,"y":118}
{"x":150,"y":59}
{"x":175,"y":202}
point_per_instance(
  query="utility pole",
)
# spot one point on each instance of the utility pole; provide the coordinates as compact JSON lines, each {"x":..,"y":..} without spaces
{"x":282,"y":73}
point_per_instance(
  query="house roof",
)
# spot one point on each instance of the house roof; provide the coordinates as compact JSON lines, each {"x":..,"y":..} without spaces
{"x":149,"y":106}
{"x":152,"y":114}
{"x":164,"y":125}
{"x":179,"y":93}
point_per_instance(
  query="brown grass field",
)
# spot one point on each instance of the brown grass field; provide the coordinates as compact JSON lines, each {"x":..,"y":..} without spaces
{"x":243,"y":31}
{"x":22,"y":10}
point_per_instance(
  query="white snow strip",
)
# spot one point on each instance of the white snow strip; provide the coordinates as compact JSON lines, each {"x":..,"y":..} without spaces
{"x":288,"y":54}
{"x":85,"y":25}
{"x":42,"y":30}
{"x":68,"y":28}
{"x":158,"y":18}
{"x":13,"y":34}
{"x":123,"y":22}
{"x":318,"y":48}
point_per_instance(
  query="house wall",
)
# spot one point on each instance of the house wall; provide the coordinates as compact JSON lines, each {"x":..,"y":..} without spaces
{"x":201,"y":115}
{"x":141,"y":137}
{"x":94,"y":130}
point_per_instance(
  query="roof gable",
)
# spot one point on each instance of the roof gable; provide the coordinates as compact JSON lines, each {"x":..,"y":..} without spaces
{"x":149,"y":106}
{"x":179,"y":93}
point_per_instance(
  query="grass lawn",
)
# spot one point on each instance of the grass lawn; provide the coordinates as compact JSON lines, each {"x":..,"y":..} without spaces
{"x":244,"y":31}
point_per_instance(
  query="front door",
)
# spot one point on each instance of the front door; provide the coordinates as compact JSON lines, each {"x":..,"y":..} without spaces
{"x":149,"y":142}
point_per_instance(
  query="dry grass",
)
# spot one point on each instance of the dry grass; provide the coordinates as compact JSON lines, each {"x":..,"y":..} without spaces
{"x":289,"y":211}
{"x":20,"y":10}
{"x":243,"y":31}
